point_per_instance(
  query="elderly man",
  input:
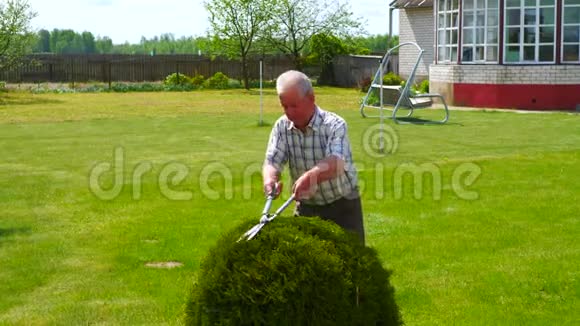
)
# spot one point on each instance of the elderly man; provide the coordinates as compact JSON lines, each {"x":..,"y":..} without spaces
{"x":315,"y":144}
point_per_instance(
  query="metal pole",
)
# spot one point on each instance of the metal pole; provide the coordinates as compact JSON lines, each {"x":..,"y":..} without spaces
{"x":261,"y":94}
{"x":381,"y":109}
{"x":109,"y":74}
{"x":72,"y":66}
{"x":390,"y":27}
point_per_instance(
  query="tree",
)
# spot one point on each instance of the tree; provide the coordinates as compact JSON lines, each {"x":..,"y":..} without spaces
{"x":103,"y":44}
{"x":235,"y":25}
{"x":16,"y":35}
{"x":378,"y":44}
{"x":295,"y":22}
{"x":43,"y":42}
{"x":88,"y":42}
{"x":324,"y":47}
{"x":65,"y":41}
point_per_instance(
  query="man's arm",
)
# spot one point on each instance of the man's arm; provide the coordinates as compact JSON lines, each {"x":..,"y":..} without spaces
{"x":271,"y":177}
{"x":334,"y":165}
{"x":276,"y":157}
{"x":327,"y":169}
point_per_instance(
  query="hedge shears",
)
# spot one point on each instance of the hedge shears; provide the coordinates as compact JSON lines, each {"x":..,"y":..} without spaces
{"x":266,"y":216}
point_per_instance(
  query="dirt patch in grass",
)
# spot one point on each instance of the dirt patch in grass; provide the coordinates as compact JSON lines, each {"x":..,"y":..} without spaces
{"x":164,"y":264}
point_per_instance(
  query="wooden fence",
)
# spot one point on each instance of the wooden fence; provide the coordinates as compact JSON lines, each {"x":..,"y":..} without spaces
{"x":353,"y":70}
{"x":134,"y":68}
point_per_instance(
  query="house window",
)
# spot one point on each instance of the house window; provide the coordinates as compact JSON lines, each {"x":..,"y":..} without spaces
{"x":447,"y":30}
{"x":480,"y":33}
{"x":571,"y":31}
{"x":529,"y":31}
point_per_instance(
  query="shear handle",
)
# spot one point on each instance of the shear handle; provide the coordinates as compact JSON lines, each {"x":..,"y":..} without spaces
{"x":269,"y":200}
{"x":282,"y":208}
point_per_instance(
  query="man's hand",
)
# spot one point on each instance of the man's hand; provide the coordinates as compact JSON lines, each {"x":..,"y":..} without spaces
{"x":305,"y":187}
{"x":271,"y":177}
{"x":272,"y":187}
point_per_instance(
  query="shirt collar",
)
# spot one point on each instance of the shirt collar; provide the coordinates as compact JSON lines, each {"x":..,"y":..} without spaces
{"x":314,"y":122}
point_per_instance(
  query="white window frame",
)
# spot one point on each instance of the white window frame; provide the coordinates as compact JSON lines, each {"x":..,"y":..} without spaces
{"x":522,"y":26}
{"x":569,"y":4}
{"x":447,"y":30}
{"x":472,"y":29}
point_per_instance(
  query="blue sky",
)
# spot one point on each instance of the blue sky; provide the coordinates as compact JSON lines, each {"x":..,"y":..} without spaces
{"x":128,"y":20}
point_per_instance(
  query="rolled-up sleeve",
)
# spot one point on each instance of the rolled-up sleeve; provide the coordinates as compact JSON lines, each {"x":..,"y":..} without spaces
{"x":277,"y":151}
{"x":338,"y":144}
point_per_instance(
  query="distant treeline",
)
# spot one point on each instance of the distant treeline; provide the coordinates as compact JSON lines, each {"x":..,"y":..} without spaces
{"x":66,"y":41}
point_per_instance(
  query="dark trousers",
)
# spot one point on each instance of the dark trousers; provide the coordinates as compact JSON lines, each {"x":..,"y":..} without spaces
{"x":347,"y":213}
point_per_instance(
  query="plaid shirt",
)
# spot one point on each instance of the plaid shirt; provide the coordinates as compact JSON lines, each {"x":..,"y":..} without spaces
{"x":325,"y":135}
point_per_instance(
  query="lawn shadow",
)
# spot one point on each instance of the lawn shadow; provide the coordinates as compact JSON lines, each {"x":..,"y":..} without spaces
{"x":268,"y":91}
{"x":420,"y":121}
{"x":8,"y":99}
{"x":7,"y":232}
{"x":376,"y":280}
{"x":263,"y":124}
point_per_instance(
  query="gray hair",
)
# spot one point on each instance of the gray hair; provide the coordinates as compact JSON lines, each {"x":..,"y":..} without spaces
{"x":294,"y":78}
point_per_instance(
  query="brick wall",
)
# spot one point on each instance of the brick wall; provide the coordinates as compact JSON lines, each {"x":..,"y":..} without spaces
{"x":496,"y":74}
{"x":533,"y":87}
{"x":416,"y":25}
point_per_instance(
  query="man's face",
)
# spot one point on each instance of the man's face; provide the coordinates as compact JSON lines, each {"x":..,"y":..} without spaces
{"x":298,"y":109}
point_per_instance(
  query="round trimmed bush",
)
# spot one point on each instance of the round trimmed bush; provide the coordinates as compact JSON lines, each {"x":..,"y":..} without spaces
{"x":175,"y":79}
{"x":296,"y":271}
{"x":218,"y":81}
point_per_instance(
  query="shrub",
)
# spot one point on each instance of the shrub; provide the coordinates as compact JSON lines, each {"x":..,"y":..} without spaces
{"x":136,"y":87}
{"x":424,"y":87}
{"x":177,"y":79}
{"x":180,"y":88}
{"x":364,"y":84}
{"x":255,"y":83}
{"x":197,"y":80}
{"x":392,"y":79}
{"x":234,"y":83}
{"x":218,"y":81}
{"x":92,"y":88}
{"x":145,"y":87}
{"x":297,"y":271}
{"x":120,"y":87}
{"x":373,"y":98}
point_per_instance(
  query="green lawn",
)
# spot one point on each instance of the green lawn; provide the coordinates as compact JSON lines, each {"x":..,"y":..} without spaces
{"x":489,"y":235}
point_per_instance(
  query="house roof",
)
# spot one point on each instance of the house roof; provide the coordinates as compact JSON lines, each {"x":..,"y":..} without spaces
{"x":404,"y":4}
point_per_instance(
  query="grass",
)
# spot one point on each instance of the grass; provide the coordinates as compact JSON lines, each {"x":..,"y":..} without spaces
{"x":498,"y":249}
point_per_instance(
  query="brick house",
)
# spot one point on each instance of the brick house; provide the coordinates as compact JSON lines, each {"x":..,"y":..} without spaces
{"x":522,"y":54}
{"x":415,"y":22}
